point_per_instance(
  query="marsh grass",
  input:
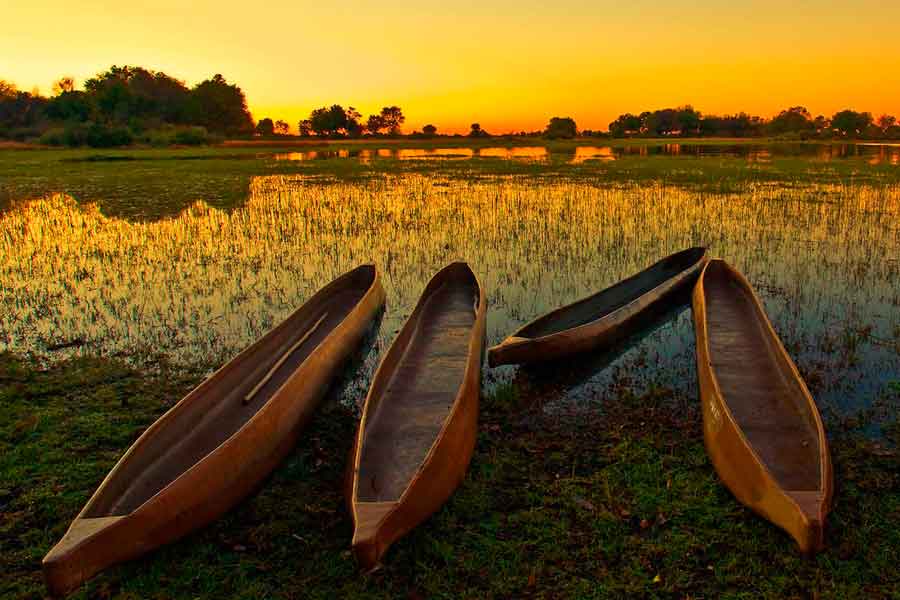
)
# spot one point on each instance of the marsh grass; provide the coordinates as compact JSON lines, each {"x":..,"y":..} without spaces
{"x":199,"y":286}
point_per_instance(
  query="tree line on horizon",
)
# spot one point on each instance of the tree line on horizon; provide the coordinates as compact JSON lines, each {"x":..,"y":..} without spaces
{"x":126,"y":105}
{"x":792,"y":123}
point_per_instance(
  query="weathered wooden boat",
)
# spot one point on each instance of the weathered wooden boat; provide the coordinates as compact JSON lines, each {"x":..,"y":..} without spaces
{"x":561,"y":382}
{"x":418,"y":426}
{"x":603,"y":318}
{"x":220,"y":441}
{"x":761,"y":426}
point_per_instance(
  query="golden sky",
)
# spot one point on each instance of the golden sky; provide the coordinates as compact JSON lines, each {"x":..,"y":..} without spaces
{"x":507,"y":65}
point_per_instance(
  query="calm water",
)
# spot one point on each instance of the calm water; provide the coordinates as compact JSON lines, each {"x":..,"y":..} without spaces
{"x":873,"y":153}
{"x":198,"y":287}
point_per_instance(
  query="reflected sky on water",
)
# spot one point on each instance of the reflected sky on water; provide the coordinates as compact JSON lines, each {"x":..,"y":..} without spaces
{"x":873,"y":153}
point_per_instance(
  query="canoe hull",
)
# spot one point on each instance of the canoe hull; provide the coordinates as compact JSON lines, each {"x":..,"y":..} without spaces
{"x":445,"y":467}
{"x":801,"y":514}
{"x":222,"y":478}
{"x":598,"y":334}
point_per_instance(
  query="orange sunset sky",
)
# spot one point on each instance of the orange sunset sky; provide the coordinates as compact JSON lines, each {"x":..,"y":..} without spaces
{"x":507,"y":65}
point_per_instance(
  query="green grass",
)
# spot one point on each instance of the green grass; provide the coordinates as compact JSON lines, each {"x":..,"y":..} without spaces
{"x":150,"y":183}
{"x":619,"y":504}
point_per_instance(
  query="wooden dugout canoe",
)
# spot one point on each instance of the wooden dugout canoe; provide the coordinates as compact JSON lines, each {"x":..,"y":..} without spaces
{"x":761,"y":426}
{"x":418,"y":426}
{"x":603,"y":318}
{"x":221,"y":440}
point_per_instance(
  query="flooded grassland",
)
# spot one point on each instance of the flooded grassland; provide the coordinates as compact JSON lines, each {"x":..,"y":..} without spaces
{"x":124,"y":282}
{"x":199,"y":286}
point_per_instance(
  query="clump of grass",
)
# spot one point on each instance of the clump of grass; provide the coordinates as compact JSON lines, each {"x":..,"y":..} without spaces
{"x":596,"y":506}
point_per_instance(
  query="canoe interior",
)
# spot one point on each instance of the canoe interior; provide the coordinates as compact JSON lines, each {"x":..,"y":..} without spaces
{"x":760,"y":390}
{"x":219,"y":409}
{"x":407,"y":418}
{"x":614,"y":297}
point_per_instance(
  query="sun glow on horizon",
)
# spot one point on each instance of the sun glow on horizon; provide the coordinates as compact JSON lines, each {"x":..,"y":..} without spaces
{"x":509,"y":66}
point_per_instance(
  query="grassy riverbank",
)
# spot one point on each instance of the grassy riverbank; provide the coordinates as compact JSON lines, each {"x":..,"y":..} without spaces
{"x":612,"y":503}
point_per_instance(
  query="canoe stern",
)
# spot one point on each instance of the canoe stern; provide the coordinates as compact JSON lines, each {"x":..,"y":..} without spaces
{"x":368,"y":543}
{"x":505,"y":352}
{"x":89,"y":546}
{"x":809,"y":529}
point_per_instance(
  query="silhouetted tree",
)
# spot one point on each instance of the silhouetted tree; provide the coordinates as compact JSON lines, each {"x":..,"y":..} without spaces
{"x":304,"y":128}
{"x":625,"y":125}
{"x":793,"y":120}
{"x":281,"y":127}
{"x":70,"y":106}
{"x":561,"y":127}
{"x":850,"y":123}
{"x":476,"y":131}
{"x":221,"y":107}
{"x":7,"y":90}
{"x":821,"y":124}
{"x":429,"y":130}
{"x":889,"y":127}
{"x":123,"y":94}
{"x":886,"y":121}
{"x":739,"y":125}
{"x":683,"y":120}
{"x":331,"y":121}
{"x":353,"y":126}
{"x":109,"y":92}
{"x":392,"y":118}
{"x":19,"y":111}
{"x":374,"y":124}
{"x":265,"y":127}
{"x":63,"y":85}
{"x":688,"y":120}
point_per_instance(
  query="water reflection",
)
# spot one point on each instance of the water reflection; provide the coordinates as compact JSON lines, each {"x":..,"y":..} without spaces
{"x":552,"y":384}
{"x":872,"y":153}
{"x":583,"y":153}
{"x":196,"y":288}
{"x":367,"y":154}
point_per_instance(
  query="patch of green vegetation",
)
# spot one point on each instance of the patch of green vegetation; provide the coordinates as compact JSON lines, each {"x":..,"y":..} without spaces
{"x":162,"y":182}
{"x":623,"y":504}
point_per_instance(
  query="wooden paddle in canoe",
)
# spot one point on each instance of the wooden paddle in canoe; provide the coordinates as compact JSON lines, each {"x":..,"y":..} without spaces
{"x":762,"y":429}
{"x":418,"y":426}
{"x":603,"y":318}
{"x":221,"y":440}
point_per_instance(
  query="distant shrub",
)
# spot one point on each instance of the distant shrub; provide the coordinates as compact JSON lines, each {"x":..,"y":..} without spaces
{"x":561,"y":128}
{"x":793,"y":136}
{"x":53,"y":137}
{"x":22,"y":134}
{"x":158,"y":137}
{"x":96,"y":135}
{"x":76,"y":134}
{"x":192,"y":136}
{"x":99,"y":136}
